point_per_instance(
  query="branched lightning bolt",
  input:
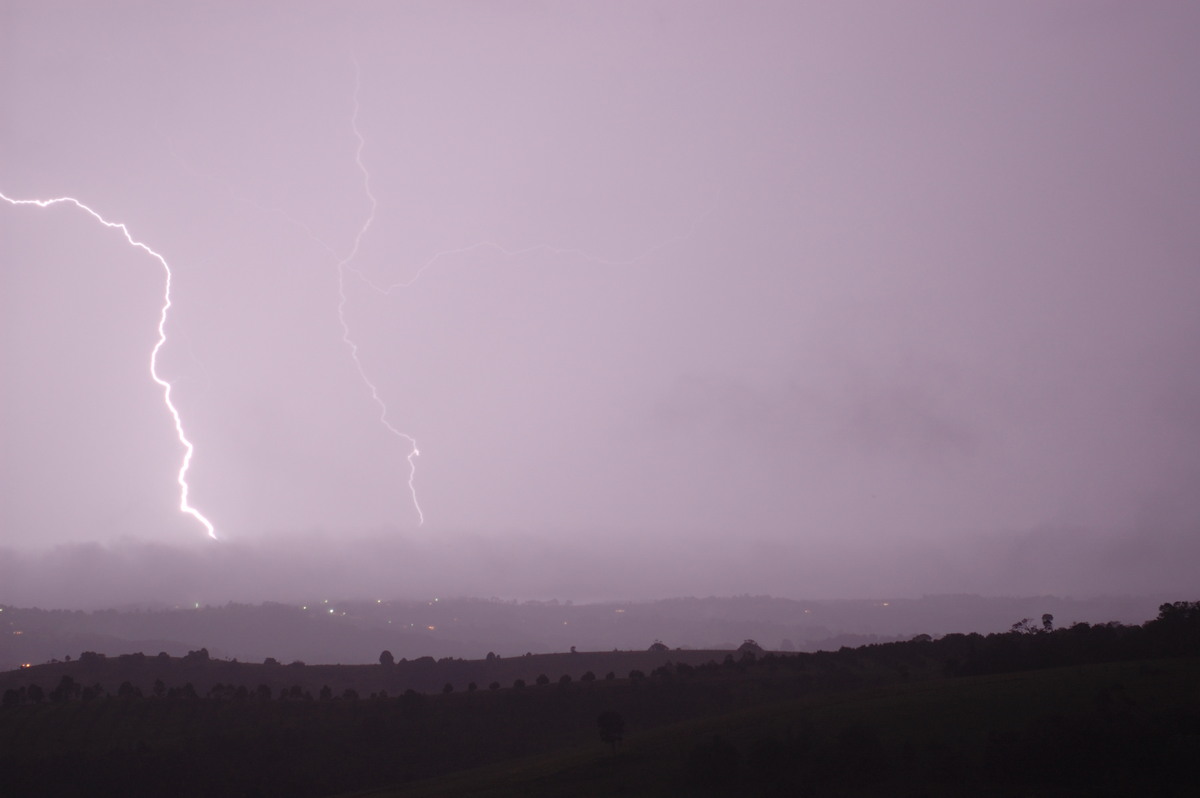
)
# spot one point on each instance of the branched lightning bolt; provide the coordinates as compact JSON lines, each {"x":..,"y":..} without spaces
{"x":342,"y":265}
{"x":346,"y":264}
{"x":189,"y":449}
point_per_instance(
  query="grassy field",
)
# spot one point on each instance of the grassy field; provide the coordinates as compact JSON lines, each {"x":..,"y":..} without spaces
{"x":997,"y":735}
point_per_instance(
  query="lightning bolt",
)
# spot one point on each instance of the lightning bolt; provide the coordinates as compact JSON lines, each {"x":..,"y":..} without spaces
{"x":188,"y":448}
{"x":342,"y":266}
{"x":345,"y":264}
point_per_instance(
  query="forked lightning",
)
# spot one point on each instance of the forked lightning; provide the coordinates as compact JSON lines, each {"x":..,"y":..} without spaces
{"x":188,"y":448}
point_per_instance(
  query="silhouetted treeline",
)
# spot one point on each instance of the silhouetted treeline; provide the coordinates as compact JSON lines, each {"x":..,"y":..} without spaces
{"x":77,"y":736}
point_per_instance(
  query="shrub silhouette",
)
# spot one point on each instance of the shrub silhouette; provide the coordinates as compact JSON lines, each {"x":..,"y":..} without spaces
{"x":612,"y":728}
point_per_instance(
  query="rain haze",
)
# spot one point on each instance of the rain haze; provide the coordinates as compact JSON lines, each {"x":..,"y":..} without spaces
{"x":807,"y":299}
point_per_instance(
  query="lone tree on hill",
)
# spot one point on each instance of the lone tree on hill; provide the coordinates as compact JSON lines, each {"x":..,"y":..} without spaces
{"x":386,"y":659}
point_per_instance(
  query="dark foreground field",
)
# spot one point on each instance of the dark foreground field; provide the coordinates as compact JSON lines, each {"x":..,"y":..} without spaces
{"x":1119,"y":729}
{"x":1089,"y":710}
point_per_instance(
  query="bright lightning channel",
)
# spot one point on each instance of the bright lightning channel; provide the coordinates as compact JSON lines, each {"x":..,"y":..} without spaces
{"x":189,"y":449}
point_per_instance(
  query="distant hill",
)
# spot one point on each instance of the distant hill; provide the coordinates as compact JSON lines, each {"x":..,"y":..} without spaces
{"x":356,"y":632}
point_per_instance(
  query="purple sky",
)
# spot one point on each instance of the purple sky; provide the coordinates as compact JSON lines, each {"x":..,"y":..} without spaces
{"x":801,"y":298}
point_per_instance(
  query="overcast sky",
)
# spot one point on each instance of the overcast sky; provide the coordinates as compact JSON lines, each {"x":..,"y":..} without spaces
{"x":686,"y":297}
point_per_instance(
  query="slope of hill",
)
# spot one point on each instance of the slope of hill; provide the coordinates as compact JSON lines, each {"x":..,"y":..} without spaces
{"x":1073,"y":709}
{"x":1115,"y":729}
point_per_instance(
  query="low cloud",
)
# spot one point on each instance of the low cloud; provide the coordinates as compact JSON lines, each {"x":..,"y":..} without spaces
{"x":1058,"y":561}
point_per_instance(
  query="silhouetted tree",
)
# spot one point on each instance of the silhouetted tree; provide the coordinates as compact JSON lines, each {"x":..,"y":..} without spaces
{"x":90,"y":658}
{"x":198,"y":656}
{"x":66,"y":690}
{"x":1176,"y":631}
{"x":494,"y":686}
{"x":588,"y":677}
{"x":386,"y":659}
{"x":612,"y":728}
{"x":1047,"y":622}
{"x":658,"y":646}
{"x":543,"y":679}
{"x":1023,"y":627}
{"x":411,"y":701}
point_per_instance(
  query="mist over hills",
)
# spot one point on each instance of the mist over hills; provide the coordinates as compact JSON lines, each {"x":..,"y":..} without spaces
{"x":355,"y":632}
{"x":463,"y":596}
{"x":596,"y":567}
